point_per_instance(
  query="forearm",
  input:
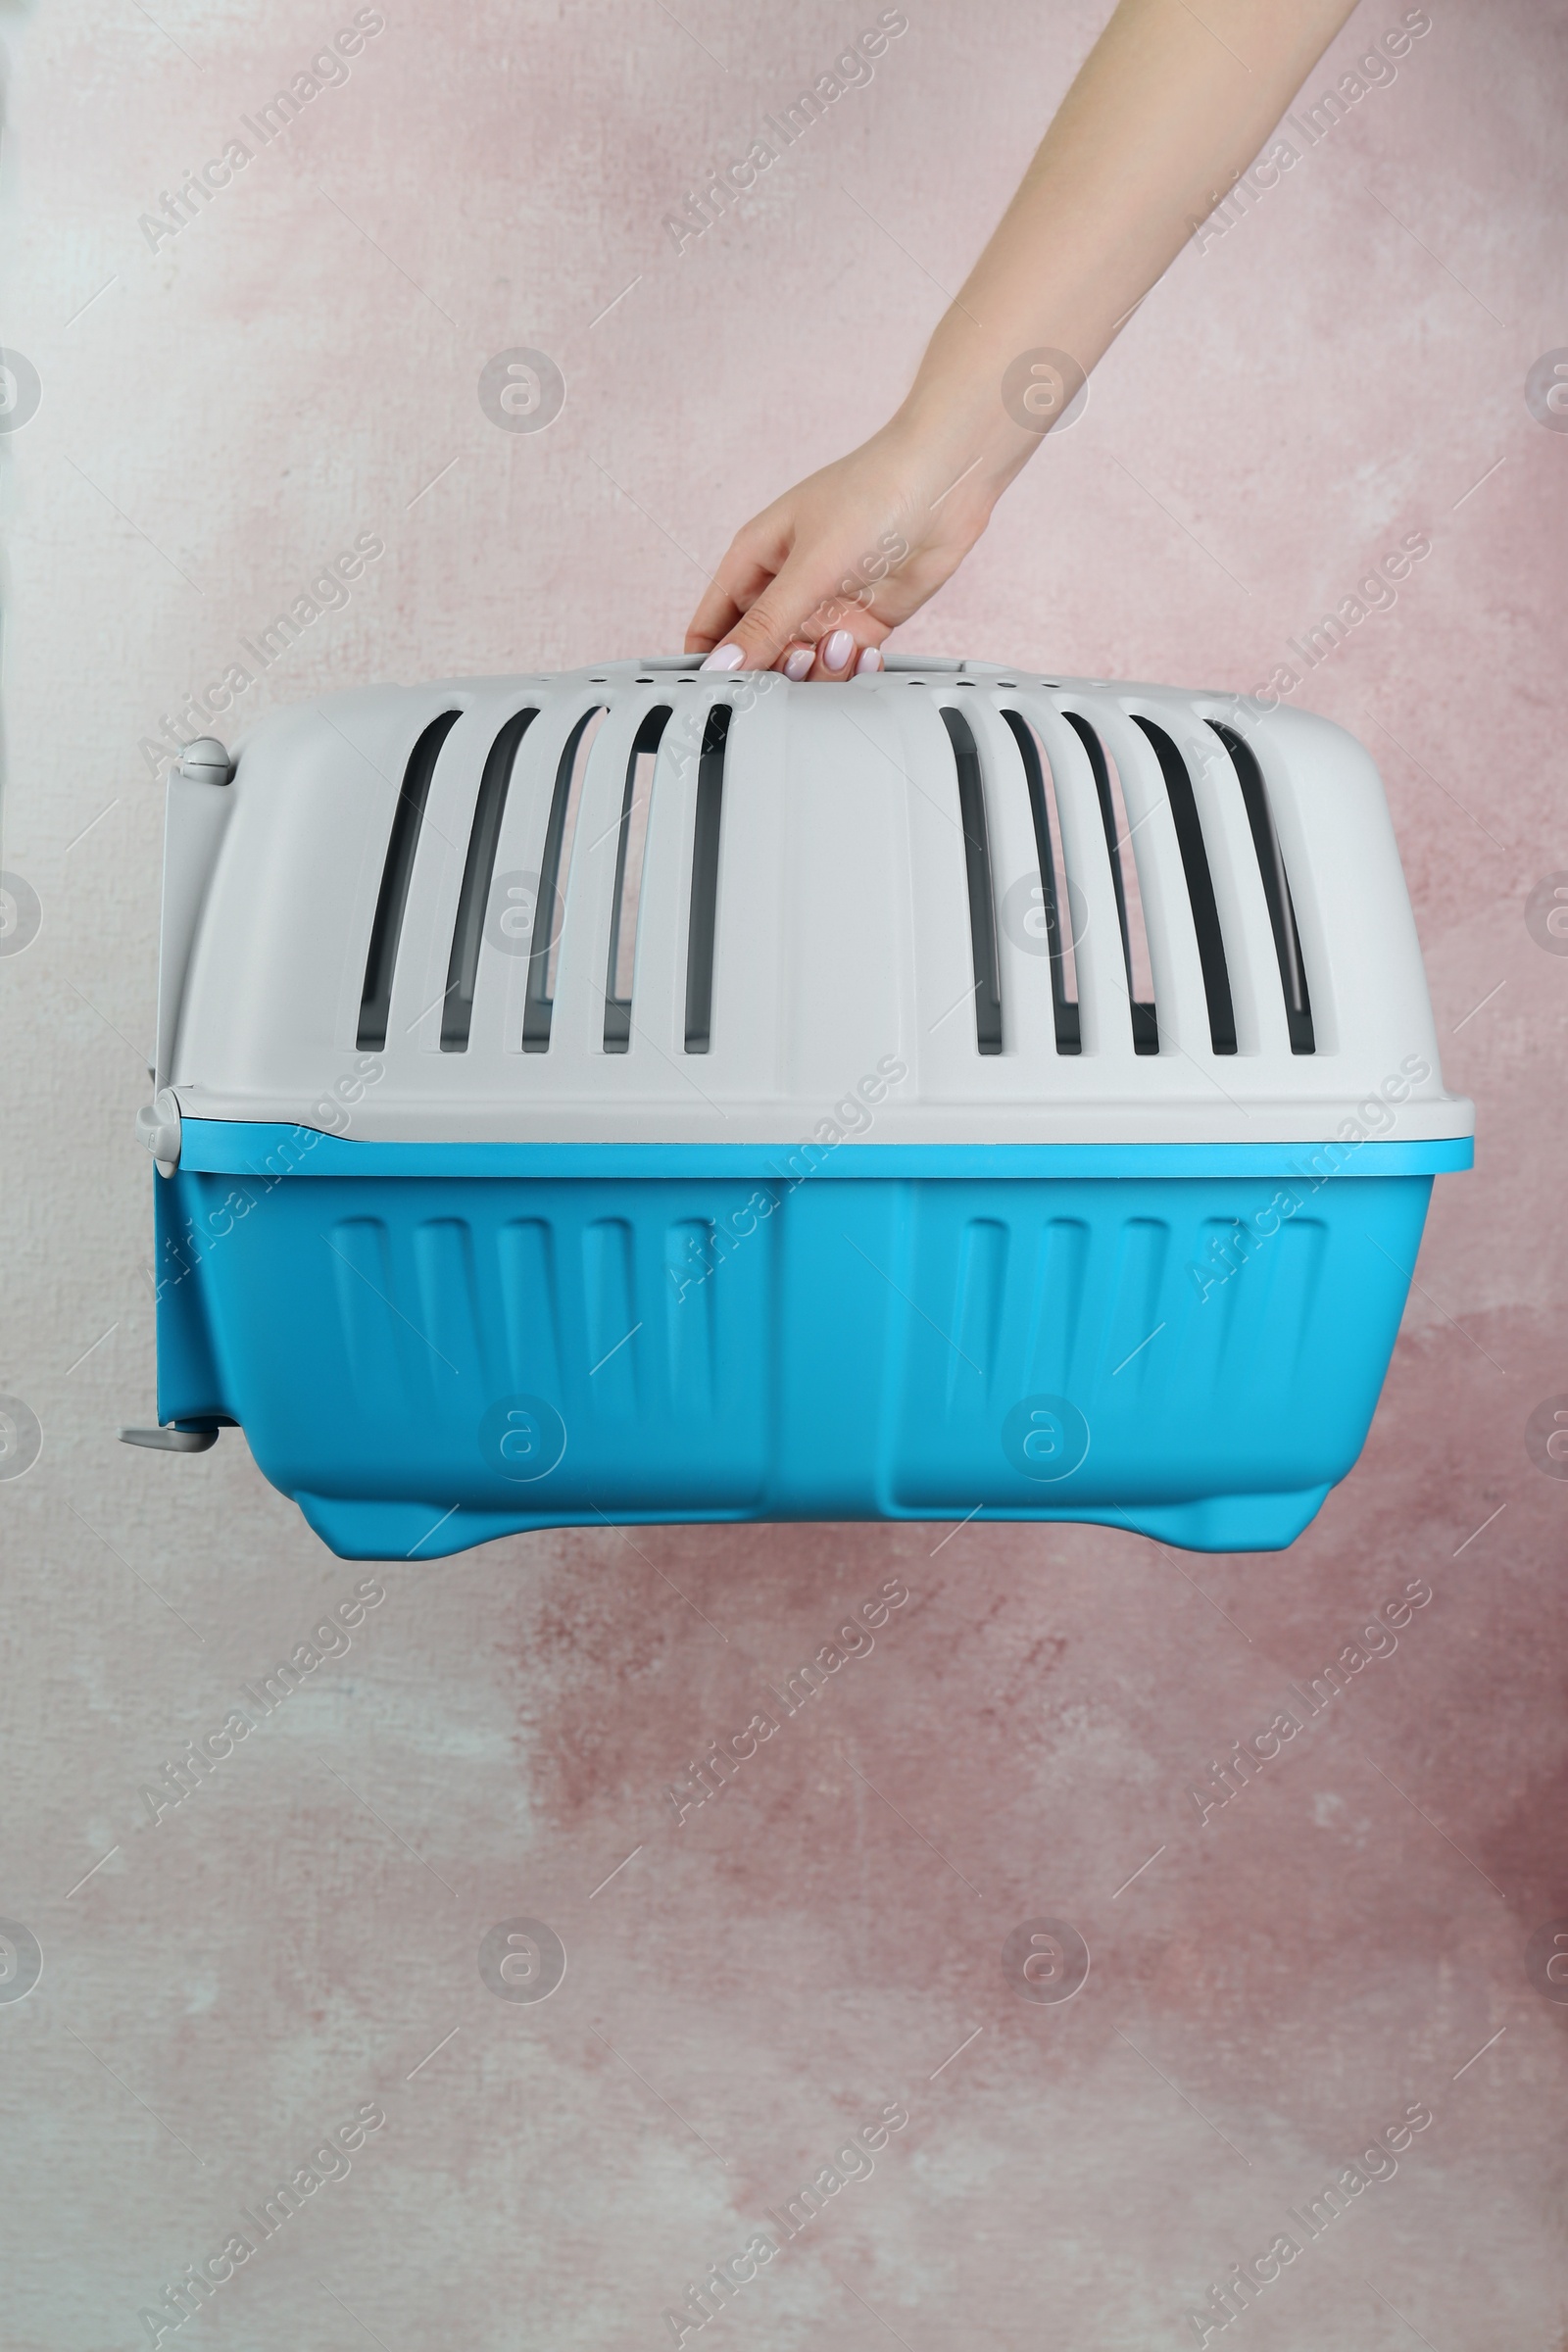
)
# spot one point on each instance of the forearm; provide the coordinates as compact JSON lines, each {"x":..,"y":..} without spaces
{"x":1166,"y":111}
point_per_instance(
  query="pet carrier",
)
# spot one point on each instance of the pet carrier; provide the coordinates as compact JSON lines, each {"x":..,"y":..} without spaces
{"x":654,"y":1095}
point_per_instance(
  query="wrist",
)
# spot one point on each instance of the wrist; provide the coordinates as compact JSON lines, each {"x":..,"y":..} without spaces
{"x":953,"y":415}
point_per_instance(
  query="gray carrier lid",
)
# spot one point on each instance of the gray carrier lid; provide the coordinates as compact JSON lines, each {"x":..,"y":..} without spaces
{"x":649,"y":903}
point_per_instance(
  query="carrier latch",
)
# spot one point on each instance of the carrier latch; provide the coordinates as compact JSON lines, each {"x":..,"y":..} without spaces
{"x":158,"y":1127}
{"x":206,"y":761}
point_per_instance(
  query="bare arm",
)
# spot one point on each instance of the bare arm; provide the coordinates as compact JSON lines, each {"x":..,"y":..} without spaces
{"x":1171,"y":104}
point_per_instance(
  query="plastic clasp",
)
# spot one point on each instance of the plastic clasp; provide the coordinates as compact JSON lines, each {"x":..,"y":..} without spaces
{"x":158,"y":1128}
{"x":206,"y":761}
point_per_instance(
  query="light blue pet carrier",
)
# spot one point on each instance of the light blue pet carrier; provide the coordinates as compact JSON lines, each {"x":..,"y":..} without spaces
{"x":649,"y":1094}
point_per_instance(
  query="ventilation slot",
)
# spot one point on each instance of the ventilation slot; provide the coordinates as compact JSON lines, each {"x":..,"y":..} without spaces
{"x":1276,"y":892}
{"x":621,"y":968}
{"x":705,"y":880}
{"x":1123,"y":869}
{"x":1200,"y":888}
{"x":1056,"y":901}
{"x":468,"y":931}
{"x":982,"y":900}
{"x":375,"y":1000}
{"x":554,"y":865}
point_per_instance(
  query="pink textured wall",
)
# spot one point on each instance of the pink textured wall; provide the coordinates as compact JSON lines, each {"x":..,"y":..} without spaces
{"x":1347,"y":1940}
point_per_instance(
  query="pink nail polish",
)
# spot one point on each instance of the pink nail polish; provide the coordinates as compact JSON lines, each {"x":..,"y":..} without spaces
{"x":870,"y":660}
{"x":836,"y":650}
{"x":797,"y":663}
{"x":725,"y":657}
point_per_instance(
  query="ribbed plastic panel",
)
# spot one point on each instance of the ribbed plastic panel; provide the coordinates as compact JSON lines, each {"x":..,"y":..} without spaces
{"x":424,"y":1362}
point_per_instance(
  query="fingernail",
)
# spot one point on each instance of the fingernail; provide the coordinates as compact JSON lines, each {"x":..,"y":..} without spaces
{"x":869,"y":660}
{"x":797,"y":663}
{"x":725,"y":657}
{"x":836,"y":650}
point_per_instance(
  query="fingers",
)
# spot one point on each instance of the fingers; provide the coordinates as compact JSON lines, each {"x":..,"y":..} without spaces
{"x":782,"y":586}
{"x":715,"y":614}
{"x":758,"y":635}
{"x":842,"y":654}
{"x":836,"y":655}
{"x":791,"y":616}
{"x":752,"y":558}
{"x":796,"y":589}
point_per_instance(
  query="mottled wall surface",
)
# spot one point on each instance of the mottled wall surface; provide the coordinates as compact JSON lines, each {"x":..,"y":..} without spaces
{"x":1347,"y":1942}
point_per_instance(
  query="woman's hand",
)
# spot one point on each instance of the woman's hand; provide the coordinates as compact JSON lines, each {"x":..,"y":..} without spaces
{"x":1166,"y":113}
{"x":813,"y":584}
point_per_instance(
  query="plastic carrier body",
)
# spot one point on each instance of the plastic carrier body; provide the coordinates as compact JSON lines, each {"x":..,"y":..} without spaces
{"x":651,"y":1095}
